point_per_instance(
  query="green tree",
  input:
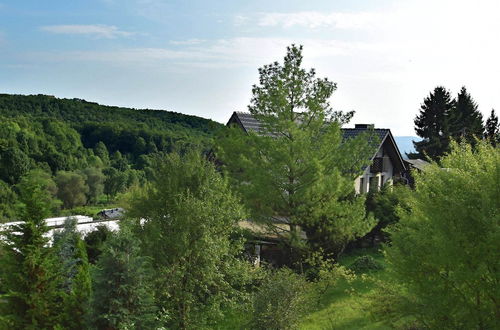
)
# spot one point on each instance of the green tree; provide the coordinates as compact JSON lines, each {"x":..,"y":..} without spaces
{"x":8,"y":201}
{"x":465,"y":120}
{"x":71,"y":189}
{"x":123,"y":296}
{"x":94,"y":179}
{"x":431,"y":124}
{"x":14,"y":163}
{"x":492,"y":129}
{"x":444,"y":256}
{"x":27,"y":267}
{"x":94,"y":242}
{"x":297,"y":168}
{"x":189,"y":214}
{"x":73,"y":276}
{"x":115,"y":181}
{"x":101,"y":151}
{"x":43,"y":180}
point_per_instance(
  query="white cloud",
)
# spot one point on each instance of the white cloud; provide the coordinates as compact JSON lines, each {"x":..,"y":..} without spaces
{"x":95,"y":30}
{"x":315,"y":19}
{"x":188,"y":42}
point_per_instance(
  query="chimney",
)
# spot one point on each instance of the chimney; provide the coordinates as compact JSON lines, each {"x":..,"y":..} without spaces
{"x":364,"y":126}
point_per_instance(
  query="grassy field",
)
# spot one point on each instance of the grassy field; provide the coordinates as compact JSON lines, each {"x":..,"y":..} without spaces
{"x":346,"y":306}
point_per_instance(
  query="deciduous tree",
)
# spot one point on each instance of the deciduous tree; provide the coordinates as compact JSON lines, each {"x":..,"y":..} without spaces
{"x":188,"y":214}
{"x":444,"y":252}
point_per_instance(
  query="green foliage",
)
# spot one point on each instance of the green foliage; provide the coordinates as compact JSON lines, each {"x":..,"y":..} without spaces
{"x":27,"y":267}
{"x":384,"y":205}
{"x":432,"y":124}
{"x":44,"y":181}
{"x":282,"y":301}
{"x":8,"y":201}
{"x":365,"y":264}
{"x":123,"y":296}
{"x":73,"y":276}
{"x":297,"y":167}
{"x":465,"y":120}
{"x":94,"y":179}
{"x":71,"y":189}
{"x":94,"y":242}
{"x":444,"y":257}
{"x":189,"y":214}
{"x":492,"y":129}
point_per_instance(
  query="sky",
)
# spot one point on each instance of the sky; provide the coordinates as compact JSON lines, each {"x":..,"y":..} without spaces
{"x":202,"y":57}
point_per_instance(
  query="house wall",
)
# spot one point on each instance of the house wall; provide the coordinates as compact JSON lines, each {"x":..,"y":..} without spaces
{"x":369,"y":181}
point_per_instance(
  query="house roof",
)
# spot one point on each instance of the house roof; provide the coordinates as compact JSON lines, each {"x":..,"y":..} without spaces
{"x":419,"y":164}
{"x":380,"y":136}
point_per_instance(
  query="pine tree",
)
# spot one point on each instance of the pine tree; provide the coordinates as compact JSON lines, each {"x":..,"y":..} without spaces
{"x":297,"y":168}
{"x":492,"y":129}
{"x":465,"y":121}
{"x":27,"y":266}
{"x":431,"y":124}
{"x":74,"y":276}
{"x":122,"y":296}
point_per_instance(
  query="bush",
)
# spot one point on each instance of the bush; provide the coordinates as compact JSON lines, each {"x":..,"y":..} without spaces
{"x":444,"y":252}
{"x":364,"y":264}
{"x":281,"y":301}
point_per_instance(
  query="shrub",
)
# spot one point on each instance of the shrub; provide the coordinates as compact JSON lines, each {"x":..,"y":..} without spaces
{"x":281,"y":301}
{"x":364,"y":264}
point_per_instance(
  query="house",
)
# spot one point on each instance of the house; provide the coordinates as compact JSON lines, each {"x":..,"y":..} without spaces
{"x":387,"y":165}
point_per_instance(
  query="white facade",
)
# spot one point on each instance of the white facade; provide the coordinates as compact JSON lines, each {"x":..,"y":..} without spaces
{"x":370,"y":181}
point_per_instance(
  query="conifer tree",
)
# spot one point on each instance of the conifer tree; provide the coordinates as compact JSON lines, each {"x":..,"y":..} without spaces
{"x":73,"y":276}
{"x":297,"y":169}
{"x":122,"y":296}
{"x":431,"y":124}
{"x":27,"y":266}
{"x":465,"y":120}
{"x":492,"y":129}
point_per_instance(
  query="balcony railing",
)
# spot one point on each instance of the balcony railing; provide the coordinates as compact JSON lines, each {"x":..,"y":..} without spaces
{"x":377,"y":165}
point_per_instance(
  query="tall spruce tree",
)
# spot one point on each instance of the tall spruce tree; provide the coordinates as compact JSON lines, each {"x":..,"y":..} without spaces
{"x":492,"y":129}
{"x":73,"y":276}
{"x":122,"y":295}
{"x":465,"y":122}
{"x":297,"y":169}
{"x":27,"y":267}
{"x":431,"y":124}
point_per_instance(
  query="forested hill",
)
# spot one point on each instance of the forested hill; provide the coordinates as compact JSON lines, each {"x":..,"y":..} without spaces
{"x":84,"y":141}
{"x":78,"y":111}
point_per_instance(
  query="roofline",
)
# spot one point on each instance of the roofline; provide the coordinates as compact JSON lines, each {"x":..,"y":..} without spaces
{"x":397,"y":149}
{"x":235,"y":115}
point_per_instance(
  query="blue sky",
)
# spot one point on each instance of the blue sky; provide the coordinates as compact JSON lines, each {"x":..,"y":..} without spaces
{"x":201,"y":57}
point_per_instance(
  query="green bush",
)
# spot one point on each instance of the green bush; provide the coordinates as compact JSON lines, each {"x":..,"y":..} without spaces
{"x":281,"y":301}
{"x":364,"y":264}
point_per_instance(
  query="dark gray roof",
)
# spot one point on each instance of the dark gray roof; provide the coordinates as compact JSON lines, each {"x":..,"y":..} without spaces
{"x":419,"y":164}
{"x":247,"y":121}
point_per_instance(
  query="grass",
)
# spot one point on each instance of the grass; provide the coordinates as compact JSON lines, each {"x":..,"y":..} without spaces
{"x":346,"y":305}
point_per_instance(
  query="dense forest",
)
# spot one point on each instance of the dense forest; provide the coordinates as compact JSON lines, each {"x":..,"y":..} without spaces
{"x":94,"y":148}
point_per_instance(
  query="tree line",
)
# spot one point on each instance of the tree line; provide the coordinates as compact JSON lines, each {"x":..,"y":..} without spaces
{"x":443,"y":119}
{"x":84,"y":152}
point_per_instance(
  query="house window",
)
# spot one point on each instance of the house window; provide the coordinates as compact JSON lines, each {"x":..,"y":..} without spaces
{"x":361,"y":185}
